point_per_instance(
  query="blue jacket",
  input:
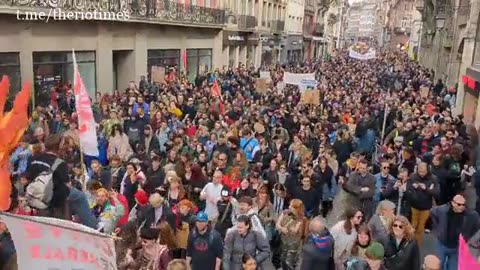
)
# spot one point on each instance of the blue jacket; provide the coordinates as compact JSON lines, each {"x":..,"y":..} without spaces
{"x":379,"y":183}
{"x":439,"y":216}
{"x":79,"y":206}
{"x":249,"y":146}
{"x":328,"y":194}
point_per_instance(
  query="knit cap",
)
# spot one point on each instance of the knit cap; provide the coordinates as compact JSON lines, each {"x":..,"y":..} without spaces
{"x":375,"y":251}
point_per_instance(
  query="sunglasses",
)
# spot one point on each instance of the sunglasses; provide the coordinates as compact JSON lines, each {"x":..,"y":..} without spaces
{"x":386,"y":167}
{"x":459,"y":204}
{"x":359,"y":217}
{"x":400,"y":226}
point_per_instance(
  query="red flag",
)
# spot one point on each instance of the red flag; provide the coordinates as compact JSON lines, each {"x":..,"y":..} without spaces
{"x":215,"y":90}
{"x":184,"y":59}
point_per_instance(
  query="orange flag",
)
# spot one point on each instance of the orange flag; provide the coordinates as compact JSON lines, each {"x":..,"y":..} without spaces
{"x":12,"y":126}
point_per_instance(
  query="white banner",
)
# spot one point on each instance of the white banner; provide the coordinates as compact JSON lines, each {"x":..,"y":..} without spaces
{"x":296,"y":78}
{"x":370,"y":54}
{"x":87,"y":130}
{"x":306,"y":85}
{"x":47,"y":243}
{"x":265,"y":75}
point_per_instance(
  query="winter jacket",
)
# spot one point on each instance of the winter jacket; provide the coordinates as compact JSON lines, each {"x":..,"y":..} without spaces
{"x":418,"y":198}
{"x":406,"y":255}
{"x":381,"y":184}
{"x":378,"y":230}
{"x":107,"y":217}
{"x":78,"y":205}
{"x":439,"y":215}
{"x":236,"y":245}
{"x":318,"y":252}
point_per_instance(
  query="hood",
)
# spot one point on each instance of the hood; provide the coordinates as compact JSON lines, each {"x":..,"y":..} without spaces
{"x":75,"y":195}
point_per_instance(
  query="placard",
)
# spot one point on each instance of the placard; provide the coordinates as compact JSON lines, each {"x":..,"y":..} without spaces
{"x":424,"y":91}
{"x":158,"y":74}
{"x":307,"y":85}
{"x":265,"y":74}
{"x":261,"y":85}
{"x":296,"y":78}
{"x":311,"y":97}
{"x":47,"y":243}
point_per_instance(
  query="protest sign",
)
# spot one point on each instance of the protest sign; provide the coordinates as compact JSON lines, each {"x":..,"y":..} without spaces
{"x":296,"y":78}
{"x":265,"y":74}
{"x":370,"y":54}
{"x":261,"y":85}
{"x":158,"y":74}
{"x":424,"y":91}
{"x":47,"y":243}
{"x":307,"y":84}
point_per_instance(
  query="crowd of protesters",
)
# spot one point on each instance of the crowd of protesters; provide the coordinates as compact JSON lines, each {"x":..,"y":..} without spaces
{"x":252,"y":180}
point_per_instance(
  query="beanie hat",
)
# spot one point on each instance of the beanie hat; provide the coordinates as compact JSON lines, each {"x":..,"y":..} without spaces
{"x":141,"y":197}
{"x":375,"y":251}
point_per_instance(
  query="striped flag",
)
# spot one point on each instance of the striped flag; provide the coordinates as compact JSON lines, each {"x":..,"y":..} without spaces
{"x":215,"y":90}
{"x":86,"y":124}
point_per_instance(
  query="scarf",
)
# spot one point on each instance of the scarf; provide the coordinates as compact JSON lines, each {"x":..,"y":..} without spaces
{"x":322,"y":242}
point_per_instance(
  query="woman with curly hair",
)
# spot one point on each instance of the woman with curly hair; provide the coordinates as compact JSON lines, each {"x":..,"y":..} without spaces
{"x":401,"y":251}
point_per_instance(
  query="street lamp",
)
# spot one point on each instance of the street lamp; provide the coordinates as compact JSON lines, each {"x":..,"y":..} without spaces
{"x":440,"y":21}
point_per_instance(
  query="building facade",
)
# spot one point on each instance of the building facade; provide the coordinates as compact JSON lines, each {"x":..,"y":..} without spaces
{"x":314,"y":39}
{"x":401,"y":22}
{"x":361,"y":21}
{"x":293,"y":48}
{"x":272,"y":30}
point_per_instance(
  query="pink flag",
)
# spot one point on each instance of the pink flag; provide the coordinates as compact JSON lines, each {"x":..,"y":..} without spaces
{"x":465,"y":259}
{"x":86,"y":123}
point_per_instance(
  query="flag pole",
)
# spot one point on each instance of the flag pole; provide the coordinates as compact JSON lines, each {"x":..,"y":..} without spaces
{"x":82,"y":159}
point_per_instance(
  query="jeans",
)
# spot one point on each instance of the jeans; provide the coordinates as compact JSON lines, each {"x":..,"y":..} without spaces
{"x":419,"y":219}
{"x":448,"y":257}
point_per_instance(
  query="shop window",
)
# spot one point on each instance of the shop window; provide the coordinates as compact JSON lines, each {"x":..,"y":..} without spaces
{"x":163,"y":58}
{"x":198,"y":61}
{"x":54,"y":69}
{"x":10,"y":66}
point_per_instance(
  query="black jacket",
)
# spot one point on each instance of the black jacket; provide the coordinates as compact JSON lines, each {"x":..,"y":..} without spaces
{"x":147,"y":217}
{"x":42,"y":163}
{"x":418,"y":198}
{"x":405,"y":256}
{"x":318,"y":257}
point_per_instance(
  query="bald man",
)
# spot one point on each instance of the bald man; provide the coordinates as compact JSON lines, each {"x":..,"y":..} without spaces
{"x":449,"y":221}
{"x":431,"y":262}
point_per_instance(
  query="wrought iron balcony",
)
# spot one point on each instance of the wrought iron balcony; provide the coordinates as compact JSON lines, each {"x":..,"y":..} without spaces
{"x":148,"y":11}
{"x":277,"y":26}
{"x":247,"y":22}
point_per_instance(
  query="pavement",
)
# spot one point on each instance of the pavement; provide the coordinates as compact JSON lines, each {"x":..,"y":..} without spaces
{"x":428,"y":245}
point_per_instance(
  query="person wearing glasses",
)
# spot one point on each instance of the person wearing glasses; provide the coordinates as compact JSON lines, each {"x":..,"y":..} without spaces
{"x":448,"y":222}
{"x":361,"y":188}
{"x":401,"y":249}
{"x":382,"y":180}
{"x":345,"y":235}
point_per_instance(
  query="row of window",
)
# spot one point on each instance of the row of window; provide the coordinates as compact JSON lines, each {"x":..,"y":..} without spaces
{"x":54,"y":68}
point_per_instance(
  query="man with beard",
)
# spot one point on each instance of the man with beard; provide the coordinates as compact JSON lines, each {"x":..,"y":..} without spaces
{"x":225,"y":210}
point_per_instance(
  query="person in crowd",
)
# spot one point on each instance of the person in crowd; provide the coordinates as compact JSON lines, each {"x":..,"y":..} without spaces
{"x":178,"y":264}
{"x":326,"y":184}
{"x":449,"y":222}
{"x":291,"y":225}
{"x":152,"y":255}
{"x":380,"y":223}
{"x":242,"y":239}
{"x":244,"y":206}
{"x":104,"y":211}
{"x":225,"y":212}
{"x":141,"y":200}
{"x":184,"y":212}
{"x":265,"y":211}
{"x":118,"y":144}
{"x":101,"y":175}
{"x":375,"y":254}
{"x":317,"y":252}
{"x":421,"y":191}
{"x":7,"y":247}
{"x":395,"y":192}
{"x":79,"y":207}
{"x":401,"y":249}
{"x":248,"y":262}
{"x":205,"y":245}
{"x":383,"y":180}
{"x":211,"y":194}
{"x":43,"y":162}
{"x":345,"y":233}
{"x":431,"y":262}
{"x":155,"y":213}
{"x":361,"y":188}
{"x":364,"y":239}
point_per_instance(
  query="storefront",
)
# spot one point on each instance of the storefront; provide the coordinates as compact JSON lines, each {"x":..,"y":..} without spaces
{"x":56,"y":68}
{"x":198,"y":61}
{"x":10,"y":66}
{"x":163,"y":58}
{"x":271,"y":49}
{"x":293,"y":49}
{"x":240,"y":47}
{"x":471,"y":86}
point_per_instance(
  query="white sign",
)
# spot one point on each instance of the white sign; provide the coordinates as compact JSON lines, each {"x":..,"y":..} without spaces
{"x":306,"y":85}
{"x":47,"y":243}
{"x":296,"y":78}
{"x":236,"y":38}
{"x":265,"y":74}
{"x":370,"y":54}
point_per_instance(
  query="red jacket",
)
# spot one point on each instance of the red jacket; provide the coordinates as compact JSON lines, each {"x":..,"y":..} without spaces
{"x":232,"y":185}
{"x":124,"y":219}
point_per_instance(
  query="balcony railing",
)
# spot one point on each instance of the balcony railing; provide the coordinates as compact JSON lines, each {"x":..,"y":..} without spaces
{"x":277,"y":26}
{"x":318,"y":28}
{"x":137,"y":10}
{"x":247,"y":22}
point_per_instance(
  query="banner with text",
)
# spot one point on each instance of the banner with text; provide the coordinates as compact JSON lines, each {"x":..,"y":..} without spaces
{"x":47,"y":243}
{"x":370,"y":54}
{"x":296,"y":78}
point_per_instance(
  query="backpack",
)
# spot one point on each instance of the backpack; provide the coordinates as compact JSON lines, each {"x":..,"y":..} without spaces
{"x":39,"y":192}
